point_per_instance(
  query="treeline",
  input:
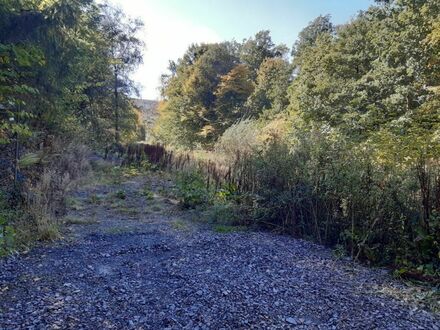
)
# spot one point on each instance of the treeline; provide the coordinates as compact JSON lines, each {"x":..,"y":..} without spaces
{"x":339,"y":144}
{"x":64,"y":82}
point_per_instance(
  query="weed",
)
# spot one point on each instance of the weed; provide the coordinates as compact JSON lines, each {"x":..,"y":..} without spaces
{"x":180,"y":225}
{"x":117,"y":204}
{"x":147,"y":193}
{"x":156,"y":208}
{"x":70,"y":220}
{"x":130,"y":171}
{"x":224,"y":213}
{"x":48,"y":230}
{"x":7,"y":236}
{"x":121,"y":194}
{"x":148,"y":166}
{"x":94,"y":199}
{"x":74,"y":203}
{"x":128,"y":211}
{"x":339,"y":251}
{"x":191,"y":189}
{"x":224,"y":229}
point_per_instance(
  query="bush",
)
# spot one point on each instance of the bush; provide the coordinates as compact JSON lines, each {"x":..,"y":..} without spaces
{"x":240,"y":139}
{"x":225,"y":214}
{"x":320,"y":185}
{"x":191,"y":189}
{"x":331,"y":190}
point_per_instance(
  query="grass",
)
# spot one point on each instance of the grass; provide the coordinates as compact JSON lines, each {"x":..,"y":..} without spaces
{"x":95,"y":199}
{"x":225,"y":229}
{"x":71,"y":220}
{"x":180,"y":225}
{"x":147,"y":193}
{"x":48,"y":232}
{"x":120,"y":194}
{"x":128,"y":211}
{"x":115,"y":204}
{"x":108,"y":174}
{"x":74,"y":203}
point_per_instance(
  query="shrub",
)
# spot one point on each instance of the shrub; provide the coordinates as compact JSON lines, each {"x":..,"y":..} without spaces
{"x":147,"y":193}
{"x":191,"y":189}
{"x":322,"y":185}
{"x":121,"y":194}
{"x":224,"y":213}
{"x":240,"y":139}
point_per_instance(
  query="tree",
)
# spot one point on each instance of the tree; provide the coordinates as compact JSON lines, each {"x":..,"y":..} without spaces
{"x":270,"y":94}
{"x":125,"y":53}
{"x":190,"y":92}
{"x":231,"y":94}
{"x":308,"y":36}
{"x":255,"y":50}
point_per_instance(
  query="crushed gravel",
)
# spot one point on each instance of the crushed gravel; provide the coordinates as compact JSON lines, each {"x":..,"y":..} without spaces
{"x":137,"y":270}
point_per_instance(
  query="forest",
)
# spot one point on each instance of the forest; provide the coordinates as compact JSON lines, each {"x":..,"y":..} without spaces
{"x":333,"y":139}
{"x":64,"y":84}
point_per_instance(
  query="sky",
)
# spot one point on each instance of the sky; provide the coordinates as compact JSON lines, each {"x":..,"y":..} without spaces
{"x":172,"y":25}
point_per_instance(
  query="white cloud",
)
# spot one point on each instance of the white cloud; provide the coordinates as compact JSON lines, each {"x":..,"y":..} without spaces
{"x":166,"y":37}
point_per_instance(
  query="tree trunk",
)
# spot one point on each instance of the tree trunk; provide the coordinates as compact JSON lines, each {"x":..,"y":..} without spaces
{"x":116,"y":95}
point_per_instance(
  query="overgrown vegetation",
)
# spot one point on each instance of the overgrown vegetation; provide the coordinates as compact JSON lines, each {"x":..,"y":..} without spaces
{"x":64,"y":83}
{"x":340,"y":145}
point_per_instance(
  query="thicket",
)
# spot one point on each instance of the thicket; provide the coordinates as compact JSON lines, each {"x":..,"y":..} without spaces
{"x":64,"y":83}
{"x":340,"y":145}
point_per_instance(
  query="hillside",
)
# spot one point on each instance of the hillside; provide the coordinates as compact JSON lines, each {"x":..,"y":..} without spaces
{"x":149,"y":112}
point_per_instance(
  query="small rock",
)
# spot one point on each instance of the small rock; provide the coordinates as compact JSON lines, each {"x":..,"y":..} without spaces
{"x":291,"y":320}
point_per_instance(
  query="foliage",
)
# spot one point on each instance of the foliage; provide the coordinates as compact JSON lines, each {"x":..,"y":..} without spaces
{"x":208,"y":88}
{"x":7,"y":232}
{"x":64,"y":76}
{"x":121,"y":194}
{"x":191,"y":189}
{"x":58,"y":63}
{"x":147,"y":193}
{"x":343,"y":146}
{"x":254,"y":51}
{"x":270,"y":95}
{"x":240,"y":139}
{"x":309,"y":35}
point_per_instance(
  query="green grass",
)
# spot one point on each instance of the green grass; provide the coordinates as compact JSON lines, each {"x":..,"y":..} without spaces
{"x":70,"y":220}
{"x":225,"y":229}
{"x":94,"y":199}
{"x":147,"y":193}
{"x":74,"y":203}
{"x":120,"y":194}
{"x":128,"y":211}
{"x":180,"y":225}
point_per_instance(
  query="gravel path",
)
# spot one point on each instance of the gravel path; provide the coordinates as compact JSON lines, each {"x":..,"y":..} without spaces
{"x":135,"y":263}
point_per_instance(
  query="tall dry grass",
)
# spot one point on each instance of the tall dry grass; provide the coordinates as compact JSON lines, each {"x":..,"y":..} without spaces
{"x":45,"y":196}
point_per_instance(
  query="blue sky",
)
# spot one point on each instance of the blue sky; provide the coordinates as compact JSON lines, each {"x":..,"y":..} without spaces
{"x":172,"y":25}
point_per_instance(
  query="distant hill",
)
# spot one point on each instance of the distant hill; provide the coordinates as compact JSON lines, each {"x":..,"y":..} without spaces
{"x":149,"y":112}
